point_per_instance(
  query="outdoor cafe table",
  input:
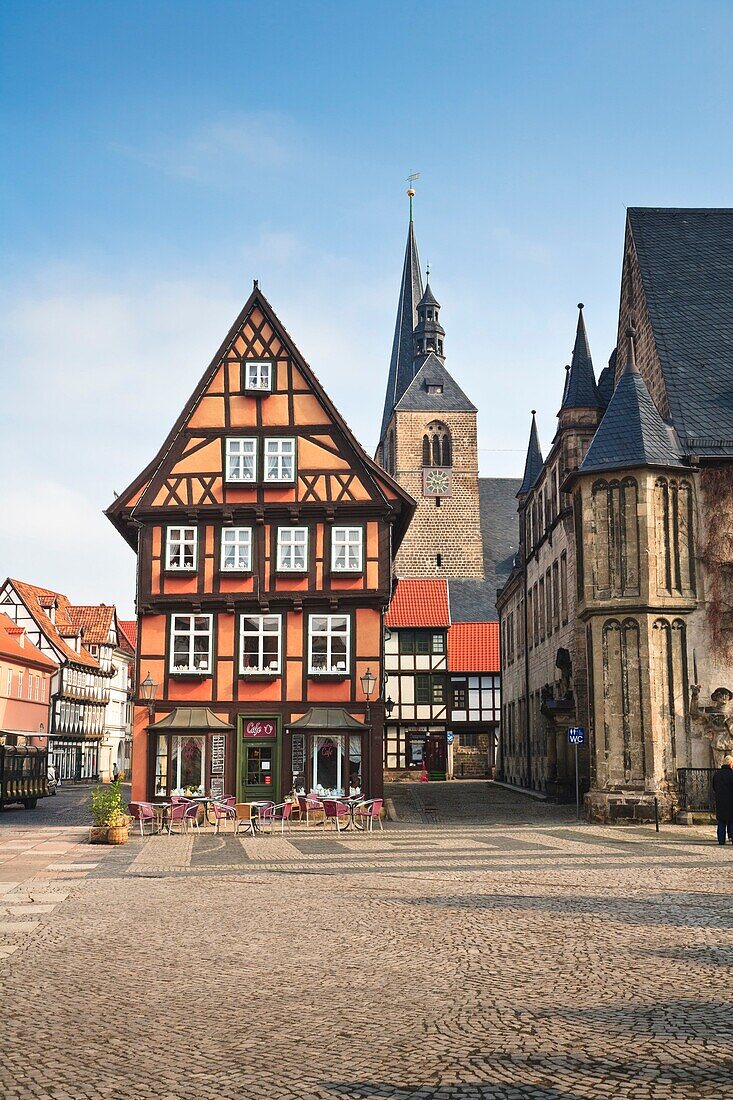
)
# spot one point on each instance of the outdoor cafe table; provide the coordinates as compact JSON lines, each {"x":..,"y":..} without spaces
{"x":352,"y":801}
{"x":160,"y":809}
{"x":205,"y":801}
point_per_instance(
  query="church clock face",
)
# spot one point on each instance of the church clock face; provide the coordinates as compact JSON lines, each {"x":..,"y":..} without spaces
{"x":436,"y":483}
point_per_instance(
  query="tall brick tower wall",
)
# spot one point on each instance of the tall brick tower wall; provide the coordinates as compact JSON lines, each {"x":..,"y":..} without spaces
{"x":444,"y":537}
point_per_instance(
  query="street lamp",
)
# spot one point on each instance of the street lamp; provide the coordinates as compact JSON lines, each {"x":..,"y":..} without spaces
{"x":368,"y":680}
{"x":147,"y":693}
{"x":389,"y":706}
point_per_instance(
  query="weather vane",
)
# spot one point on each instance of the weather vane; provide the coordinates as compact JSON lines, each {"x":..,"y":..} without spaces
{"x":411,"y":190}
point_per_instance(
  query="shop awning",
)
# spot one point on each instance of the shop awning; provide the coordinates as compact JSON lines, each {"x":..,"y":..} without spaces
{"x":191,"y":718}
{"x":327,"y":718}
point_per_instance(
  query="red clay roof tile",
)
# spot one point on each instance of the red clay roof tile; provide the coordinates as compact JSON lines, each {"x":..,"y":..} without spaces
{"x":473,"y":647}
{"x":419,"y":602}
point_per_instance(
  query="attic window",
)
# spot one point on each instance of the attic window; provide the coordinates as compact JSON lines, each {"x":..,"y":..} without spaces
{"x":434,"y":387}
{"x":257,"y":375}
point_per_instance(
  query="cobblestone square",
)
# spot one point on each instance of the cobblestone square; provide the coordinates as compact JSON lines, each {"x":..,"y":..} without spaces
{"x":484,"y":945}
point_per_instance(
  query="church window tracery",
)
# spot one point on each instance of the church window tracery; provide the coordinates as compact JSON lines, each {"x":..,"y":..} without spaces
{"x":616,"y":538}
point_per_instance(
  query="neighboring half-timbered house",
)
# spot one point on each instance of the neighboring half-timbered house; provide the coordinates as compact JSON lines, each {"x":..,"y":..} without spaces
{"x":265,"y":537}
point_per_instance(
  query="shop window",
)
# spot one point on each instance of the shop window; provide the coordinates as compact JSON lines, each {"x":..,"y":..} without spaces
{"x":346,"y":549}
{"x":329,"y":638}
{"x":191,"y":643}
{"x":180,"y":765}
{"x":280,"y":460}
{"x":241,"y":460}
{"x":260,"y":644}
{"x":236,"y":549}
{"x":336,"y":765}
{"x":181,"y":546}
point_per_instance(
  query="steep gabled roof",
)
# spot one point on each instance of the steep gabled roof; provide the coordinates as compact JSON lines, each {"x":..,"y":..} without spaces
{"x":631,"y":433}
{"x":606,"y":380}
{"x":685,"y":260}
{"x":419,"y":602}
{"x":400,"y":364}
{"x":472,"y":599}
{"x":96,"y":620}
{"x":473,"y":647}
{"x":38,"y":602}
{"x":580,"y":385}
{"x":533,"y":461}
{"x":128,"y":628}
{"x":121,"y":511}
{"x":416,"y":397}
{"x":14,"y":646}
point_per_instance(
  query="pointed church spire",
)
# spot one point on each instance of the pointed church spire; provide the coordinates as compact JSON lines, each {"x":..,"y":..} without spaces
{"x":411,"y":291}
{"x":631,"y":433}
{"x":581,"y":391}
{"x":533,"y":463}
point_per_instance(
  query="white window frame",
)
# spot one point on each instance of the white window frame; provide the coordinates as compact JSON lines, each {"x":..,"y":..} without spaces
{"x":192,"y":632}
{"x":30,"y":687}
{"x":237,"y":448}
{"x":287,"y":541}
{"x":329,"y":633}
{"x":341,"y":539}
{"x":254,"y":379}
{"x":10,"y":682}
{"x":20,"y":685}
{"x":263,"y":631}
{"x":280,"y":448}
{"x":241,"y":541}
{"x":179,"y":542}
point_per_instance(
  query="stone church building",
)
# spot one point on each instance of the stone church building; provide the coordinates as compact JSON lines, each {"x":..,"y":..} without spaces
{"x":459,"y":547}
{"x":618,"y":613}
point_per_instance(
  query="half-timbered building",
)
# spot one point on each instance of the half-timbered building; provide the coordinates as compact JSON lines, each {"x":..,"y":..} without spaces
{"x":264,"y":536}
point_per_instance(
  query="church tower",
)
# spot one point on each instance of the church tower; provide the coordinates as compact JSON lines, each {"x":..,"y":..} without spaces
{"x":428,"y":439}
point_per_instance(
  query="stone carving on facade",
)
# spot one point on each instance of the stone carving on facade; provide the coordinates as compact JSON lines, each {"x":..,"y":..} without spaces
{"x":714,"y":724}
{"x":563,"y":662}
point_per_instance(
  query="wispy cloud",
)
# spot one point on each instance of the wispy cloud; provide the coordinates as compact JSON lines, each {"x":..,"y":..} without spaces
{"x":217,"y":152}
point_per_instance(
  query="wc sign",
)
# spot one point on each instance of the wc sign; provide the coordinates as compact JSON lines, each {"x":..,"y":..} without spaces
{"x":576,"y":735}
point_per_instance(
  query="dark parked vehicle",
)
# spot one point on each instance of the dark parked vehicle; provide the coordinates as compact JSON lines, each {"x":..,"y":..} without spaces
{"x":23,"y":775}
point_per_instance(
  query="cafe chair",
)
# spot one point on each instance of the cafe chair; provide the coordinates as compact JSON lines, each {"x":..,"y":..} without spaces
{"x":336,"y":812}
{"x":243,"y":818}
{"x":177,"y":816}
{"x":223,"y":812}
{"x":310,"y":807}
{"x":191,"y":816}
{"x":144,"y":814}
{"x":367,"y":812}
{"x":280,"y":812}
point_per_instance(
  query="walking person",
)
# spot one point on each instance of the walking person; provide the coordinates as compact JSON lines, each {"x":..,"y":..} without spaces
{"x":723,"y":788}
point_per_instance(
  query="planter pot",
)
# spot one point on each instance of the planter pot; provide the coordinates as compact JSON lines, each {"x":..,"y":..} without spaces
{"x":103,"y":834}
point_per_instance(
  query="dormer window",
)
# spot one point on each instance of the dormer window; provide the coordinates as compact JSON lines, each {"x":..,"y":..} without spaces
{"x":258,"y":376}
{"x":434,"y":387}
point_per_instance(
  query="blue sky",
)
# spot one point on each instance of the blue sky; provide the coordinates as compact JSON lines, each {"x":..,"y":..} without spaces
{"x":159,"y":156}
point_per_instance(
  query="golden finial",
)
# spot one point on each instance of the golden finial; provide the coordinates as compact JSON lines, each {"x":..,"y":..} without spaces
{"x":411,"y":190}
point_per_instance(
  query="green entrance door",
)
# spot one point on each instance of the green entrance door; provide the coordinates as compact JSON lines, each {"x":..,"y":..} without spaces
{"x":258,"y":776}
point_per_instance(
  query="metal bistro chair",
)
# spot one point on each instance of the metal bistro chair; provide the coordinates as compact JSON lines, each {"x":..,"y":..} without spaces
{"x":144,"y":813}
{"x":367,"y":812}
{"x":177,"y":816}
{"x":280,"y":812}
{"x":336,"y":812}
{"x":191,"y":816}
{"x":223,"y":813}
{"x":309,"y":807}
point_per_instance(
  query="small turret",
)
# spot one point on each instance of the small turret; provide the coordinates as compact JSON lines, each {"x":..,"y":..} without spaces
{"x":534,"y":460}
{"x":429,"y":333}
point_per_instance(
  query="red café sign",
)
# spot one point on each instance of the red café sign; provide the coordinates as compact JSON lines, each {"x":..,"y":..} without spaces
{"x":260,"y":729}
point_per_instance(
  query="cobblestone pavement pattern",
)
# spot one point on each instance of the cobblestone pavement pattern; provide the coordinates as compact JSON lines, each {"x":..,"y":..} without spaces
{"x":484,"y":945}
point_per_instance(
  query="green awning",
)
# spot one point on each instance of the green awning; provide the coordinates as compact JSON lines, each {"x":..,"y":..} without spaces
{"x":191,"y":718}
{"x":327,"y":718}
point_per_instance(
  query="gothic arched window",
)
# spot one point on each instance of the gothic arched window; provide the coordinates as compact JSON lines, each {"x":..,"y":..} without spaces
{"x":437,"y":447}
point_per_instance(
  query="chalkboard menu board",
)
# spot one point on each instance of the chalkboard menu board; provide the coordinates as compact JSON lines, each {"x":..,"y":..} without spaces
{"x":218,"y":748}
{"x":298,"y":753}
{"x":217,"y":788}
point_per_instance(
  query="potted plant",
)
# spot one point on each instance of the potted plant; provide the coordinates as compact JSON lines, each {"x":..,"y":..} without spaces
{"x":108,"y":811}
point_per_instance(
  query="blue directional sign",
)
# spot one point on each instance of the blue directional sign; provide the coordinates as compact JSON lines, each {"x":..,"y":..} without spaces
{"x":449,"y":737}
{"x":576,"y":735}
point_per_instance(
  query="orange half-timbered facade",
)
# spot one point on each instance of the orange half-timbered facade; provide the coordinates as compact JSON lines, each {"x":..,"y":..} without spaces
{"x":265,"y":537}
